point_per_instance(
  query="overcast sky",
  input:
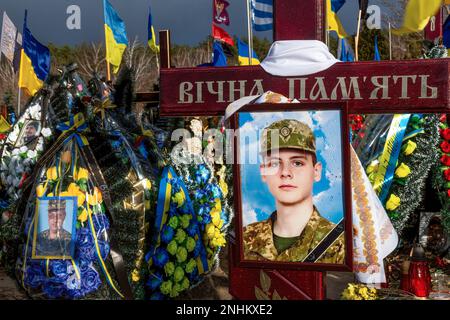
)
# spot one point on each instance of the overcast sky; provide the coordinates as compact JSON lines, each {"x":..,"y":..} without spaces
{"x":189,"y":21}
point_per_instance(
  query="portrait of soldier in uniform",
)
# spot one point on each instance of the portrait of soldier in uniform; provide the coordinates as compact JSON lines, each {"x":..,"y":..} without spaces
{"x":31,"y":131}
{"x":55,"y":241}
{"x":290,"y":167}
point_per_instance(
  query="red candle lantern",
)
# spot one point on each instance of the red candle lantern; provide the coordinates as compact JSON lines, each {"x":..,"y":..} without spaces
{"x":419,"y":273}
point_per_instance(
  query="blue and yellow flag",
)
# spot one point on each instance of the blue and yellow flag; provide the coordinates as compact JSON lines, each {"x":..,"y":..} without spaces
{"x":34,"y":62}
{"x":417,"y":15}
{"x":334,"y":24}
{"x":151,"y":33}
{"x":243,"y":54}
{"x":115,"y":36}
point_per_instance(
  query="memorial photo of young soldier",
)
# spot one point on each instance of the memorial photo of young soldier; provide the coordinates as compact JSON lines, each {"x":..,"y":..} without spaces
{"x":30,"y":132}
{"x":54,"y":237}
{"x":289,"y":168}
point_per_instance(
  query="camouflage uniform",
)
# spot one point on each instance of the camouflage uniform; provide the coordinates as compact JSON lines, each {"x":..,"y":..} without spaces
{"x":259,"y":245}
{"x":53,"y":247}
{"x":258,"y":237}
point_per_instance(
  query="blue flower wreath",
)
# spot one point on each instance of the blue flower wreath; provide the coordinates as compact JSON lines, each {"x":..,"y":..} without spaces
{"x":63,"y":278}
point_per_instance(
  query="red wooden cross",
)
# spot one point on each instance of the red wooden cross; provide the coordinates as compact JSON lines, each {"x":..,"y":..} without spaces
{"x":369,"y":87}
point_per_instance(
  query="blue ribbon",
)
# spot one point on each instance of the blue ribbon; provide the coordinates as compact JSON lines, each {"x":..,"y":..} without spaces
{"x":76,"y":127}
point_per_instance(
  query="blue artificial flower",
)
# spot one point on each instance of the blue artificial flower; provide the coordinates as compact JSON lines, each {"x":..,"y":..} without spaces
{"x":202,"y":174}
{"x":53,"y":289}
{"x":157,"y":296}
{"x":214,"y":190}
{"x":204,"y":210}
{"x":192,"y":230}
{"x":154,"y":281}
{"x":59,"y":268}
{"x":173,"y":210}
{"x":90,"y":281}
{"x":167,"y":234}
{"x":176,"y":185}
{"x":84,"y":238}
{"x":34,"y":276}
{"x":101,"y":222}
{"x":161,"y":257}
{"x":86,"y":254}
{"x":199,"y":194}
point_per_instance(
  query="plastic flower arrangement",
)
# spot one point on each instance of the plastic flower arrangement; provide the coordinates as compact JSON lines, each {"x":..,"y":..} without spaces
{"x":359,"y":292}
{"x":23,"y":146}
{"x":75,"y":274}
{"x":208,"y":197}
{"x":177,"y":256}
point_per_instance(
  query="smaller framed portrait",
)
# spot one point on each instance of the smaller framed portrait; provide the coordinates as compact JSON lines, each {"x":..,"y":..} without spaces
{"x":29,"y":133}
{"x":55,"y":228}
{"x":292,"y":192}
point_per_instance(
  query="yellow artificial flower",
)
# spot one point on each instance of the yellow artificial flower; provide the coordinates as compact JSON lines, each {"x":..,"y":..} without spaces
{"x":393,"y":202}
{"x":81,"y":173}
{"x":210,"y":230}
{"x":83,"y":216}
{"x":402,"y":171}
{"x":217,"y":205}
{"x":224,"y":187}
{"x":217,"y":221}
{"x":409,"y":147}
{"x":178,"y":198}
{"x":135,"y":275}
{"x":147,"y":204}
{"x":40,"y":191}
{"x":75,"y":191}
{"x":52,"y":173}
{"x":95,"y":198}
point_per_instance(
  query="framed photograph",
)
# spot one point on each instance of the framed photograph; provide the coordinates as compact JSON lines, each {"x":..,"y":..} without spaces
{"x":292,"y":186}
{"x":29,"y":132}
{"x":55,"y":228}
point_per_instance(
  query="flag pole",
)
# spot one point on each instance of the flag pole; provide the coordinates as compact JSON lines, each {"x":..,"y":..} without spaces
{"x":18,"y":102}
{"x":390,"y":42}
{"x":108,"y":68}
{"x":357,"y":36}
{"x":250,"y":35}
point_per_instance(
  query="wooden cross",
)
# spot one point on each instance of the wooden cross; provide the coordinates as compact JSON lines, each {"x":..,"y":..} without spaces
{"x":416,"y":86}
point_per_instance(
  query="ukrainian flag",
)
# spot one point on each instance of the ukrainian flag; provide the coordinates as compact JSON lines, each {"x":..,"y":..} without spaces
{"x":115,"y":35}
{"x":417,"y":15}
{"x":243,"y":54}
{"x":334,"y":24}
{"x":34,"y":62}
{"x":151,"y":33}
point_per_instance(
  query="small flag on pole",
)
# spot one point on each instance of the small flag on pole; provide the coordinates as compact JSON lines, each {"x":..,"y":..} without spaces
{"x":377,"y":56}
{"x":334,"y":24}
{"x":115,"y":36}
{"x":220,"y":13}
{"x":417,"y":15}
{"x":336,"y":5}
{"x":446,"y":33}
{"x":219,"y":58}
{"x":243,"y":55}
{"x":151,"y":33}
{"x":34,"y":62}
{"x":345,"y":51}
{"x":221,"y":35}
{"x":262,"y":15}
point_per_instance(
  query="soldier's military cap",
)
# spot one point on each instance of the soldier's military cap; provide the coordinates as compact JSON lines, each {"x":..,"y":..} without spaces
{"x":293,"y":134}
{"x":56,"y":205}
